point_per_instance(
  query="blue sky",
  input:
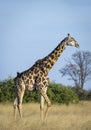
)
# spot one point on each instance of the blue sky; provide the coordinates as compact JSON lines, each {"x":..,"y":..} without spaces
{"x":29,"y":30}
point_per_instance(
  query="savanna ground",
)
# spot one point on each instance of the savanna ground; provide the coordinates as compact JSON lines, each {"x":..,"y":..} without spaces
{"x":61,"y":117}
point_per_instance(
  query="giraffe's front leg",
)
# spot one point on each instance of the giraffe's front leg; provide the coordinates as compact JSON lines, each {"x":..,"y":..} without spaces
{"x":44,"y":95}
{"x":42,"y":108}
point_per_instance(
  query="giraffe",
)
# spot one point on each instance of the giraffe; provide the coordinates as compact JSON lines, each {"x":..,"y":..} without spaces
{"x":36,"y":77}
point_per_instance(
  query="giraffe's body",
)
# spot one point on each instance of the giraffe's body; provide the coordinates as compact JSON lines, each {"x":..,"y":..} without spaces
{"x":37,"y":76}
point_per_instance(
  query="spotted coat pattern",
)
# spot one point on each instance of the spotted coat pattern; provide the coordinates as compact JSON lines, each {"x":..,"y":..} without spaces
{"x":36,"y":77}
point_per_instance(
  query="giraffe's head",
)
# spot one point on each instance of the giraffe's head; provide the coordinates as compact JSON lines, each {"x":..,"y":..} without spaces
{"x":70,"y":41}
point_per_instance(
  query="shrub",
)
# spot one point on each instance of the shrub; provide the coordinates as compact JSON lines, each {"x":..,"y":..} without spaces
{"x":82,"y":94}
{"x":56,"y":92}
{"x":61,"y":94}
{"x":7,"y":90}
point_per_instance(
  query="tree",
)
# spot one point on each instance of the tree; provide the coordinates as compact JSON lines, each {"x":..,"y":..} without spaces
{"x":79,"y":69}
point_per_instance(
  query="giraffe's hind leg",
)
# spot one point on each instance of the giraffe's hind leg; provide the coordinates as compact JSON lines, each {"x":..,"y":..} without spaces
{"x":19,"y":106}
{"x":18,"y":102}
{"x":15,"y":107}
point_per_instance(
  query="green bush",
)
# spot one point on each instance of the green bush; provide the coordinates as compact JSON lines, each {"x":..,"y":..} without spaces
{"x":82,"y":94}
{"x":56,"y":93}
{"x":7,"y":90}
{"x":33,"y":96}
{"x":61,"y":94}
{"x":89,"y":95}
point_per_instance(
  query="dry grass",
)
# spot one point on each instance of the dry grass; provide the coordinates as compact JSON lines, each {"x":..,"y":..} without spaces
{"x":61,"y":117}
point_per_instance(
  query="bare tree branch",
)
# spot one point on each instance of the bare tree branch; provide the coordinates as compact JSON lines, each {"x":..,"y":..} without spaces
{"x":79,"y":69}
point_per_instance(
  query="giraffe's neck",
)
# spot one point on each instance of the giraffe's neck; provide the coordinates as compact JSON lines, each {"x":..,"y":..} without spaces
{"x":49,"y":61}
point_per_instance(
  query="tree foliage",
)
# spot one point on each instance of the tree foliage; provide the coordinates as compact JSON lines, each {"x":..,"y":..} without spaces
{"x":79,"y":69}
